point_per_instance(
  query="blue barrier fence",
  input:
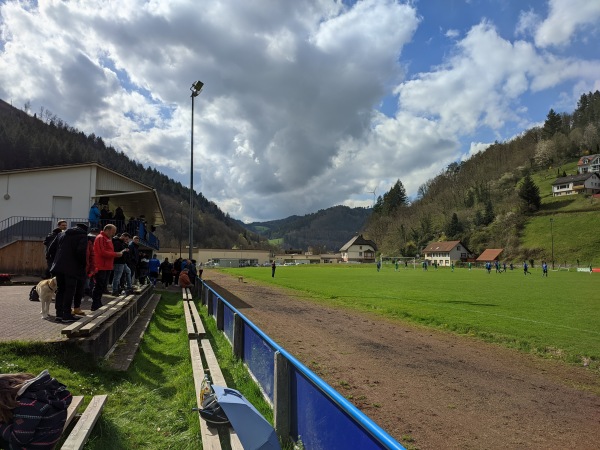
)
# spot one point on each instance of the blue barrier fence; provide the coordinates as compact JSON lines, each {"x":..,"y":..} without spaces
{"x":316,"y":412}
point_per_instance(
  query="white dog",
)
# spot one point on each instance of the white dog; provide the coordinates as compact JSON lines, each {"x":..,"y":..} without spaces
{"x":46,"y":290}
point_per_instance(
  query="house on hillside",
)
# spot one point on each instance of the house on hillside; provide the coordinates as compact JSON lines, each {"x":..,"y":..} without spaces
{"x":444,"y":252}
{"x":585,"y":183}
{"x":588,"y":163}
{"x":490,"y":255}
{"x":359,"y":249}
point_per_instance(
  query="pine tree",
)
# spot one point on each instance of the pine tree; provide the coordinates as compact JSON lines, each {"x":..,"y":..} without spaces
{"x":530,"y":194}
{"x":552,"y":125}
{"x":454,"y":227}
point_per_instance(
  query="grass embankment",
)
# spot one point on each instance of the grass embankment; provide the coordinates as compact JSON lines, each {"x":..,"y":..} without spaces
{"x":556,"y":316}
{"x":574,"y":223}
{"x":149,"y":406}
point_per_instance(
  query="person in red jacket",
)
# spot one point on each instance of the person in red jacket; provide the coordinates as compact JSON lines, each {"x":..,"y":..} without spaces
{"x":104,"y":256}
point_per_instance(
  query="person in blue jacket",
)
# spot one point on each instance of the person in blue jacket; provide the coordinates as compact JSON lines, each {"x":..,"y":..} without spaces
{"x":153,"y":269}
{"x":94,"y":216}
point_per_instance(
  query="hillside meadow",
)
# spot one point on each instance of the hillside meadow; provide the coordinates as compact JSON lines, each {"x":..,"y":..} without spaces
{"x":555,"y":317}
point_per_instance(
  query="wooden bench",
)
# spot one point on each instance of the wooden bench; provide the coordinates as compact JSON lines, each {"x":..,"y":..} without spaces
{"x":193,"y":323}
{"x":84,"y":426}
{"x":85,"y":325}
{"x":209,"y":433}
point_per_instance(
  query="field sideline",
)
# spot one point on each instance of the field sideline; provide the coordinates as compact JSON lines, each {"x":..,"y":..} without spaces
{"x":556,"y":317}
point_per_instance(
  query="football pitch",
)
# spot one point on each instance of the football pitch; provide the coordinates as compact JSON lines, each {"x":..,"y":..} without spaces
{"x":557,"y":316}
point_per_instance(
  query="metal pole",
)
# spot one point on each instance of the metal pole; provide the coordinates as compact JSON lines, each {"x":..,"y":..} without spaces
{"x":552,"y":238}
{"x":192,"y":184}
{"x":180,"y":225}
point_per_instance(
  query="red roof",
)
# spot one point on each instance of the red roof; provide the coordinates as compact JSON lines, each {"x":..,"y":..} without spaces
{"x":491,"y":254}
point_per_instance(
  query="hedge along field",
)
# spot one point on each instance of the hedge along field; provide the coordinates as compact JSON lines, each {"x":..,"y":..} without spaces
{"x":557,"y":316}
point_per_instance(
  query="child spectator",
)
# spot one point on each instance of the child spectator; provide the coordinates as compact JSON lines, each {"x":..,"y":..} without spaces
{"x":33,"y":410}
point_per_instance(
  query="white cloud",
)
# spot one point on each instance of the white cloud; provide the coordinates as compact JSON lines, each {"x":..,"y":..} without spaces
{"x":287,"y":122}
{"x":476,"y":147}
{"x":563,"y":20}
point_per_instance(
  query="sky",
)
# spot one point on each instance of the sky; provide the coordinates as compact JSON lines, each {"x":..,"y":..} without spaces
{"x":307,"y":104}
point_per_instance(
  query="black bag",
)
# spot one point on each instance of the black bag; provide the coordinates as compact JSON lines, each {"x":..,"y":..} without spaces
{"x":33,"y":295}
{"x":212,"y":412}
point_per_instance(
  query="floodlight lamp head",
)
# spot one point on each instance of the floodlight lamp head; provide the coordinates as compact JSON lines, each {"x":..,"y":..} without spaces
{"x":196,"y":88}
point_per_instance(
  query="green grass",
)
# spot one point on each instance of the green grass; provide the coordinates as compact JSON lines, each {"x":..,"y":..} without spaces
{"x":149,"y":406}
{"x":555,"y":317}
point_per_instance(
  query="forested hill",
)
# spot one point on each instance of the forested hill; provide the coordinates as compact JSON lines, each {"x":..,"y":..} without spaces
{"x":324,"y":231}
{"x":494,"y":198}
{"x":45,"y":140}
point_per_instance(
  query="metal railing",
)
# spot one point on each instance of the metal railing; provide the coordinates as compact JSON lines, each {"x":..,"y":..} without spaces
{"x":309,"y":408}
{"x":25,"y":228}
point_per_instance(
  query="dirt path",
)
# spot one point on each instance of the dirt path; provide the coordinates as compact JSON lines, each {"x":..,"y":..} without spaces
{"x":437,"y":389}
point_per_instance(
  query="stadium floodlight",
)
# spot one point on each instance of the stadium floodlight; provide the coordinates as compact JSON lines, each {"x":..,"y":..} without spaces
{"x":196,"y":88}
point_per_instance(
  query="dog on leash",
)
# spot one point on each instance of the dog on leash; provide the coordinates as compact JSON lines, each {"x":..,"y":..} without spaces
{"x":46,"y":290}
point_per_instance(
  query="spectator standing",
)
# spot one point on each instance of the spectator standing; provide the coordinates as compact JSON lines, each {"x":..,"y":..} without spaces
{"x":177,"y":269}
{"x":153,"y":269}
{"x":33,"y":410}
{"x":166,"y":271}
{"x":61,"y":226}
{"x":94,"y":216}
{"x":119,"y":219}
{"x":273,"y":267}
{"x":90,"y":270}
{"x":192,"y":273}
{"x":69,"y":266}
{"x":133,"y":260}
{"x":121,"y":244}
{"x":105,"y":255}
{"x":143,"y":267}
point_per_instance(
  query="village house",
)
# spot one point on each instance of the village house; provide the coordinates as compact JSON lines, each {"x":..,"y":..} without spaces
{"x":443,"y":253}
{"x":589,"y":163}
{"x":359,"y":249}
{"x":585,"y":183}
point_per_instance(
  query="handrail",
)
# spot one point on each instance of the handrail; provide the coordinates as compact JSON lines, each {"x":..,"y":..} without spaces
{"x":36,"y":228}
{"x":375,"y":430}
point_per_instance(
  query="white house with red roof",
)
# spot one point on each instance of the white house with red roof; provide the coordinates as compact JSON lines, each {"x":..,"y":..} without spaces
{"x":589,"y":163}
{"x":443,"y":253}
{"x":359,"y":249}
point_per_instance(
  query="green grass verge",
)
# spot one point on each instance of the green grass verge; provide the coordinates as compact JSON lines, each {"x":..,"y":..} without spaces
{"x":555,"y":317}
{"x":149,"y":406}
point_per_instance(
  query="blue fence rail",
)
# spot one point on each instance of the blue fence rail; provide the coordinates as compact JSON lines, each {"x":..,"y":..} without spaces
{"x":304,"y":405}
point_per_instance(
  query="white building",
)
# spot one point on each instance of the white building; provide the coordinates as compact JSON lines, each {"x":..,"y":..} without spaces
{"x":588,"y":183}
{"x":443,"y":253}
{"x":589,"y":163}
{"x":33,"y":200}
{"x":359,"y":249}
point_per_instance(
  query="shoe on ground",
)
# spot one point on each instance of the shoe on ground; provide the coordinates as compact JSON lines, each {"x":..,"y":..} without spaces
{"x":78,"y":312}
{"x":69,"y":319}
{"x":58,"y":319}
{"x":114,"y":294}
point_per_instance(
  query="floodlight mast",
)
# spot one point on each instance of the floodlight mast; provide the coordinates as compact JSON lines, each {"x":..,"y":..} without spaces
{"x":196,"y":88}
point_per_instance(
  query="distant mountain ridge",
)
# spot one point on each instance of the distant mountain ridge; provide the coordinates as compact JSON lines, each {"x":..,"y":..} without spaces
{"x":327,"y":230}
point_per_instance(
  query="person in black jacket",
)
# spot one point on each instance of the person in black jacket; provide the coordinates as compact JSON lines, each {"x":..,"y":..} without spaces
{"x":61,"y":226}
{"x":69,"y":267}
{"x":33,"y":410}
{"x":134,"y":258}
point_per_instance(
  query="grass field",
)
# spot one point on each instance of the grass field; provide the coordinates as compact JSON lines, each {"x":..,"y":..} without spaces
{"x":556,"y":317}
{"x":149,"y":406}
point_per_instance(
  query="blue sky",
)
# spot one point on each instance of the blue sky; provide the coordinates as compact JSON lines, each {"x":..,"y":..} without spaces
{"x":307,"y":104}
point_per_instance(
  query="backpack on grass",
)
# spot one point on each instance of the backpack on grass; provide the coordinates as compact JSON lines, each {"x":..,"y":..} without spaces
{"x":33,"y":295}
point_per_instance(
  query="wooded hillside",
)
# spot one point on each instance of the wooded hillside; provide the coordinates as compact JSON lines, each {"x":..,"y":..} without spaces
{"x":45,"y":140}
{"x":483,"y":201}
